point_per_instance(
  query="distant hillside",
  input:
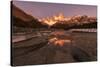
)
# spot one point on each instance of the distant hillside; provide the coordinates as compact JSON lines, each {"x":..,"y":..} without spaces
{"x":74,"y":25}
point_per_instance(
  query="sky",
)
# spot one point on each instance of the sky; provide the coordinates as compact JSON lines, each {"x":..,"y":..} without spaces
{"x":42,"y":10}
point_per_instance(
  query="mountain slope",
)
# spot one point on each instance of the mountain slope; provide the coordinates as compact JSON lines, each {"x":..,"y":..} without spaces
{"x":21,"y":19}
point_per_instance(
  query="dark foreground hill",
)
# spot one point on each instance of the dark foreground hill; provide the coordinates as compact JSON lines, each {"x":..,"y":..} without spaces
{"x":22,"y":19}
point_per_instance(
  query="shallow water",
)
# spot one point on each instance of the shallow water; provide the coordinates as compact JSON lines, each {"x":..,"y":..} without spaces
{"x":58,"y":47}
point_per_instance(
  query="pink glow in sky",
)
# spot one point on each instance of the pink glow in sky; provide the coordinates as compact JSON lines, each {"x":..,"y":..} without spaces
{"x":40,"y":9}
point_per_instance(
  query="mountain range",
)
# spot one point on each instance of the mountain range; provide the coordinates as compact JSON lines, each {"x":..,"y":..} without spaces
{"x":21,"y":19}
{"x":77,"y":22}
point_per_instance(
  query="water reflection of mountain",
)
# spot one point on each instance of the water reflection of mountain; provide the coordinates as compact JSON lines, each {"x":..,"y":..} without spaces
{"x":82,"y":48}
